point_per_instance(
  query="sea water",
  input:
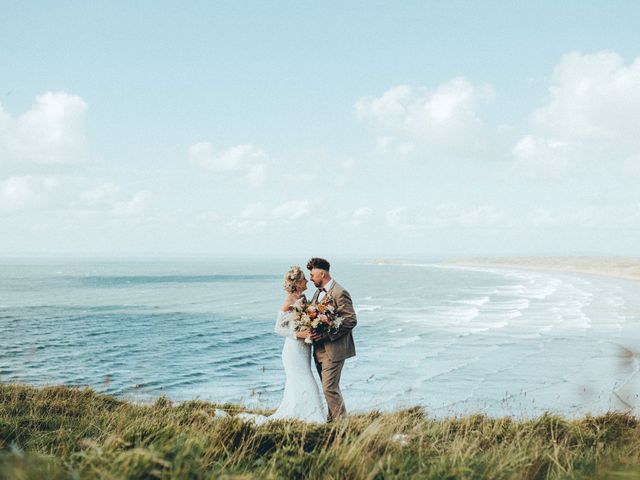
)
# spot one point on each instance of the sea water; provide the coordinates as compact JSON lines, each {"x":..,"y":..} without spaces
{"x":455,"y":340}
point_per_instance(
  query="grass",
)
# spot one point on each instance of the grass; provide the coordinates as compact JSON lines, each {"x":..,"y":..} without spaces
{"x":70,"y":433}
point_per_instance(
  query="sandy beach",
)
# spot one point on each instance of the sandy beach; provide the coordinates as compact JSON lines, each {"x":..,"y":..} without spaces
{"x":620,"y":267}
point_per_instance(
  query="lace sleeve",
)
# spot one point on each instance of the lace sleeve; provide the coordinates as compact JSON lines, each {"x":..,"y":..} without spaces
{"x":285,"y":325}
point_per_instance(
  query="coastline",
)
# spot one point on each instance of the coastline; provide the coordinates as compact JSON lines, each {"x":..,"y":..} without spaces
{"x":627,"y":268}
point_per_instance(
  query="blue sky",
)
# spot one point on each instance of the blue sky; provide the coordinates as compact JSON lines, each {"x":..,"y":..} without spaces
{"x":400,"y":128}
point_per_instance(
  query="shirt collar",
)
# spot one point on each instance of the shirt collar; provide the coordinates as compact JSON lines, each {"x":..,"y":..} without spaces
{"x":328,"y":285}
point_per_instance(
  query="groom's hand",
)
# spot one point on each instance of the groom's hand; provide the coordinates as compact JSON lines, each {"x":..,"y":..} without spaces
{"x":316,"y":338}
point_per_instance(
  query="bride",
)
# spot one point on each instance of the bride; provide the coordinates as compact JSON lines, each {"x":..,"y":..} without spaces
{"x":301,"y":399}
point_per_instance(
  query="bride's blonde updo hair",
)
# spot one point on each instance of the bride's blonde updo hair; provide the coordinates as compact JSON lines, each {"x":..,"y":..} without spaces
{"x":292,"y":277}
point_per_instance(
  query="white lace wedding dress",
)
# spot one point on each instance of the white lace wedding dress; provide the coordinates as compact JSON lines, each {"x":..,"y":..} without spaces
{"x":301,"y":399}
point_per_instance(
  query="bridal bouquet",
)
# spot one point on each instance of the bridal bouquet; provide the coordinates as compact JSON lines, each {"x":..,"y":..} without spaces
{"x":319,"y":319}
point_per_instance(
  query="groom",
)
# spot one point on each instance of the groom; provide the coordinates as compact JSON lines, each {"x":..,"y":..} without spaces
{"x":331,"y":350}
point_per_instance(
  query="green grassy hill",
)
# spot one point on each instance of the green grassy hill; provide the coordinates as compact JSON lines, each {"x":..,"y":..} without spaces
{"x":61,"y":432}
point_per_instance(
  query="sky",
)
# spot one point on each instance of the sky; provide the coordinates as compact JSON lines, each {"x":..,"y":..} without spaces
{"x":240,"y":128}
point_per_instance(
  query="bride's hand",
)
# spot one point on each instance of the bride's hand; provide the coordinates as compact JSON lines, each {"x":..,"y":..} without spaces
{"x":303,"y":335}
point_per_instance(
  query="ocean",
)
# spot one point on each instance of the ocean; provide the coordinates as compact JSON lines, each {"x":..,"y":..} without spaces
{"x":456,"y":340}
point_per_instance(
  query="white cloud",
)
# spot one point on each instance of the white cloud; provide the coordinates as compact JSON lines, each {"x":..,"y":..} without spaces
{"x":50,"y":133}
{"x":22,"y":193}
{"x":542,"y":156}
{"x":593,"y":97}
{"x":246,"y":226}
{"x":362,"y":212}
{"x":245,"y":161}
{"x":17,"y":193}
{"x":591,"y":117}
{"x":27,"y":193}
{"x":363,"y":216}
{"x":480,"y":216}
{"x":388,"y":144}
{"x":292,"y":210}
{"x":451,"y":215}
{"x":606,"y":216}
{"x":391,"y":108}
{"x":111,"y":199}
{"x":444,"y":216}
{"x":257,"y":174}
{"x":400,"y":218}
{"x":258,"y":217}
{"x":254,"y":210}
{"x":443,"y":120}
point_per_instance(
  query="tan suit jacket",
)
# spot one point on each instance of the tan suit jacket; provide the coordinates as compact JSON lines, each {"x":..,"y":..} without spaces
{"x":339,"y":346}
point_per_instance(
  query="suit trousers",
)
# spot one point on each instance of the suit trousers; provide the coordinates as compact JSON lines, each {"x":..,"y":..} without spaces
{"x":330,"y":372}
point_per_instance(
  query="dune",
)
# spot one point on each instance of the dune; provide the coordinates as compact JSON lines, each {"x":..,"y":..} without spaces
{"x":620,"y":267}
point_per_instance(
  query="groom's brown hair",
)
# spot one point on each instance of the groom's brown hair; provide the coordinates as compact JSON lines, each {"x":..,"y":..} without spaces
{"x":320,"y":263}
